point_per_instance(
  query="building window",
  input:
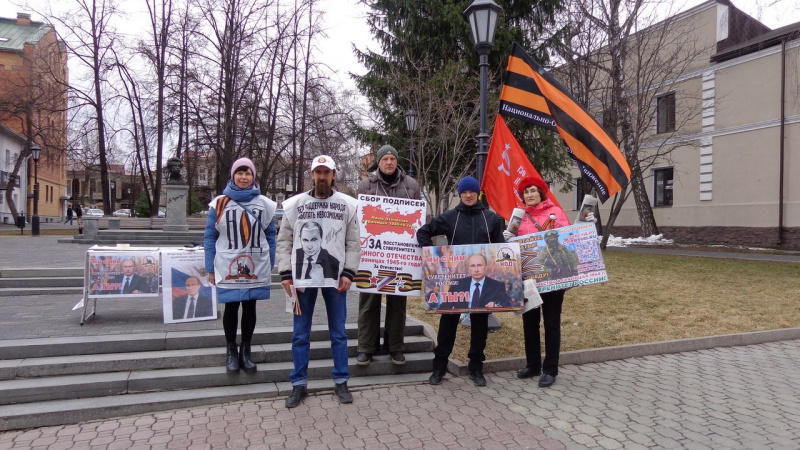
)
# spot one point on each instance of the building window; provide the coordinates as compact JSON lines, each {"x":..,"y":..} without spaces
{"x":663,"y":187}
{"x":665,"y":113}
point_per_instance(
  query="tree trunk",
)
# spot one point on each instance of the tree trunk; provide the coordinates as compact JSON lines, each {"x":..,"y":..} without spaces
{"x":643,"y":208}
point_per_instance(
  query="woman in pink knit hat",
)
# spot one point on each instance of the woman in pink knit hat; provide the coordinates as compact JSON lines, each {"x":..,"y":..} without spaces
{"x":239,"y":247}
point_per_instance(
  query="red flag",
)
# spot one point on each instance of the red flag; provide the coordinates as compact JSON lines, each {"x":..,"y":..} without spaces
{"x":506,"y":166}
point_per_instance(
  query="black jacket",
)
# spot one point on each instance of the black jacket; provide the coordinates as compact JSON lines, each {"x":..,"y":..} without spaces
{"x":463,"y":225}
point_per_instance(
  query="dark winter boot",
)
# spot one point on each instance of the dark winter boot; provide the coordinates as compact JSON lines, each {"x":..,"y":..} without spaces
{"x":244,"y":359}
{"x":232,"y":358}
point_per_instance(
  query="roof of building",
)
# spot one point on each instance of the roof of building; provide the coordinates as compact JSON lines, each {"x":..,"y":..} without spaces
{"x":13,"y":134}
{"x":15,"y":33}
{"x":768,"y":39}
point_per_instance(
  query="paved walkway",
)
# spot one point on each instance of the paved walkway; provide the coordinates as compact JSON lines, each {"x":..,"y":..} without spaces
{"x":734,"y":398}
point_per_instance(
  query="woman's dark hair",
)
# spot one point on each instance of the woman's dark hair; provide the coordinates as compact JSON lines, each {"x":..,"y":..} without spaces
{"x":242,"y":169}
{"x":541,"y":194}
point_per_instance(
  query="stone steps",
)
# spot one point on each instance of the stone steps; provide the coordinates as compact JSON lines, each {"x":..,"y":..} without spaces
{"x":52,"y":381}
{"x":100,"y":384}
{"x":46,"y":281}
{"x":59,"y":412}
{"x":59,"y":380}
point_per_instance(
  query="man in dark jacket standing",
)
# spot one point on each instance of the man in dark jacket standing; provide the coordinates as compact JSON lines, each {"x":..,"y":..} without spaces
{"x":388,"y":181}
{"x":468,"y":223}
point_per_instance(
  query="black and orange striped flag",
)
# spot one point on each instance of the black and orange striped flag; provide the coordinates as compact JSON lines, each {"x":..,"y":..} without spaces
{"x":533,"y":95}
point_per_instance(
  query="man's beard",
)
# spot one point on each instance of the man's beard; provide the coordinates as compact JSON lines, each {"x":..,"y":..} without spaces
{"x":322,"y":190}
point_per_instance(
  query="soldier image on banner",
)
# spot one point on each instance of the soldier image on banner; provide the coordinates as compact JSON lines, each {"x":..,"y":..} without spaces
{"x":562,"y":258}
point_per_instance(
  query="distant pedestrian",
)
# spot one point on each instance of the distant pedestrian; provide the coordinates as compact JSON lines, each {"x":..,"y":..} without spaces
{"x":69,"y":215}
{"x":79,"y":215}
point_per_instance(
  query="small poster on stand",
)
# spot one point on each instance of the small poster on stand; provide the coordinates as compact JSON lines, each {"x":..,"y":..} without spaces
{"x":188,"y":295}
{"x":122,"y":273}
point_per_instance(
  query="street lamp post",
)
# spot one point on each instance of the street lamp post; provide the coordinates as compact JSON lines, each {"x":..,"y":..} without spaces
{"x":111,"y":186}
{"x":482,"y":16}
{"x":411,"y":125}
{"x":131,"y":201}
{"x":35,"y":152}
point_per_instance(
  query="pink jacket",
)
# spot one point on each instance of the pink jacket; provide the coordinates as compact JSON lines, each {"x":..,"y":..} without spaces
{"x":540,"y":214}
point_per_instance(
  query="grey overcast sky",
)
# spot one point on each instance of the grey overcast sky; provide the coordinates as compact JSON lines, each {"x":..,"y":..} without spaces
{"x":345,"y":23}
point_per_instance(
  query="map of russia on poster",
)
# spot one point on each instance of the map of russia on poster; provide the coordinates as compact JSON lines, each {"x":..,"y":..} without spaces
{"x":391,"y":258}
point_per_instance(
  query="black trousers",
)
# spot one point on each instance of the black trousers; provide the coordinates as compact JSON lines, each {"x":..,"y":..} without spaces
{"x":551,"y":310}
{"x":446,"y":338}
{"x":230,"y":320}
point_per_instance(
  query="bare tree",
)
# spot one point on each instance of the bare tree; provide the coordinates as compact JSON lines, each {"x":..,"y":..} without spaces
{"x":621,"y":70}
{"x":89,"y":37}
{"x":33,"y":103}
{"x":446,"y":115}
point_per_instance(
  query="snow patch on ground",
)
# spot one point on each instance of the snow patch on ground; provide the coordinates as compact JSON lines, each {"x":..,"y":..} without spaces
{"x":657,"y":239}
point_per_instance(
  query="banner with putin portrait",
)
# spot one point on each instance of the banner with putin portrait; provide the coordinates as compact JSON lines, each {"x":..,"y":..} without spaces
{"x":391,"y":258}
{"x":121,"y":273}
{"x":562,"y":258}
{"x":188,"y":295}
{"x":472,"y":278}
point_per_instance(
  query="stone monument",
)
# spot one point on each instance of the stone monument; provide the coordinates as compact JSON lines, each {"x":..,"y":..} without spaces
{"x":177,"y":191}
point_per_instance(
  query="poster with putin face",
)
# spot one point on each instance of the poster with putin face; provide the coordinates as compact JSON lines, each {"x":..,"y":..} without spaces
{"x":472,"y":278}
{"x":122,"y":273}
{"x":188,"y":294}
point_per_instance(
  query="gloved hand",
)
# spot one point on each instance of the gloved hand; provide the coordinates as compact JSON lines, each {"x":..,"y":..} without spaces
{"x":590,"y":218}
{"x":508,"y":235}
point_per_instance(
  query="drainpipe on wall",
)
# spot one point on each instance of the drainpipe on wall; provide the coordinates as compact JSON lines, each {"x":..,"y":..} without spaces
{"x":782,"y":138}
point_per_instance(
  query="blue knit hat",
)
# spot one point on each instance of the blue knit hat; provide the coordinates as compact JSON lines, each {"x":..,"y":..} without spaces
{"x":468,"y":184}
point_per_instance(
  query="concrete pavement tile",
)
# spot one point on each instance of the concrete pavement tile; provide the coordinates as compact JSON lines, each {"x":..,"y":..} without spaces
{"x":696,"y":446}
{"x":159,"y":439}
{"x":722,"y":428}
{"x":162,"y":425}
{"x":180,"y":429}
{"x":588,"y":418}
{"x":121,"y":443}
{"x":179,"y":444}
{"x":724,"y":441}
{"x":198,"y":446}
{"x":584,"y":439}
{"x":60,"y":445}
{"x":609,"y":444}
{"x":84,"y":436}
{"x":783,"y":431}
{"x":198,"y":433}
{"x":43,"y":441}
{"x":142,"y":435}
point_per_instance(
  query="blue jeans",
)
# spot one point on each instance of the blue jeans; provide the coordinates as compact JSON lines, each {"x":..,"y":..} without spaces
{"x":336,"y":307}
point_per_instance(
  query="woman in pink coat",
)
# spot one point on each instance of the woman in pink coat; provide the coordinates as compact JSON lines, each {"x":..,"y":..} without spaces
{"x":541,"y":214}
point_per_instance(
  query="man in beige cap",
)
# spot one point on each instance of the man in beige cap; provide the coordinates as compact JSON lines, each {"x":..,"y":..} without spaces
{"x":320,"y":221}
